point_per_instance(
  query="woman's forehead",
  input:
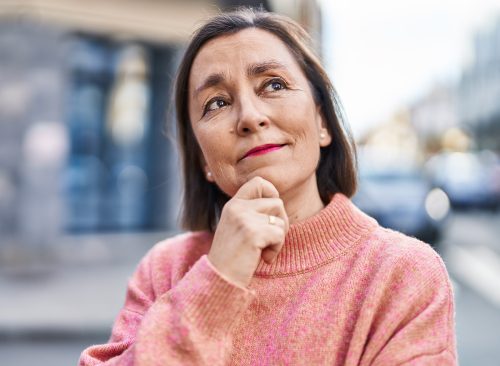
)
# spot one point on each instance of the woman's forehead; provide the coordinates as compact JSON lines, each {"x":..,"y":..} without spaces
{"x":238,"y":51}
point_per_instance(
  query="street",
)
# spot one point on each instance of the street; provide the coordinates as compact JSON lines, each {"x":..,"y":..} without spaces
{"x":469,"y":247}
{"x":471,"y":251}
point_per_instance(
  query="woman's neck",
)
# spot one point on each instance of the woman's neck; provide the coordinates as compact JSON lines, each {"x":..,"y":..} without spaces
{"x":303,"y":202}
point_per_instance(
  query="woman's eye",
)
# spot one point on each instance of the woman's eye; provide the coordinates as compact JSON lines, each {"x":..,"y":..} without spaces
{"x":274,"y":85}
{"x":214,"y":104}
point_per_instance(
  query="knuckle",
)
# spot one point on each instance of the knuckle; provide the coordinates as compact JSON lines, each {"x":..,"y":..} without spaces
{"x":267,"y":184}
{"x":274,"y":201}
{"x":279,"y":203}
{"x":256,"y":181}
{"x":227,"y":209}
{"x":241,"y":222}
{"x":259,"y":180}
{"x":278,"y":206}
{"x":232,"y":205}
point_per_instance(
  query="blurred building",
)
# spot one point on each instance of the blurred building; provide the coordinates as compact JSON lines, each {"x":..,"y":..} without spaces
{"x":433,"y":115}
{"x":465,"y":114}
{"x":86,"y":114}
{"x":479,"y":89}
{"x":395,"y":139}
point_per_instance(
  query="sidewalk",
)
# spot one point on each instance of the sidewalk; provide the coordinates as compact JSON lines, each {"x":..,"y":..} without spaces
{"x":80,"y":296}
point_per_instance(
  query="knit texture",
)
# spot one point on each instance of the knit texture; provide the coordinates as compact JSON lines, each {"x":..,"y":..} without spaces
{"x":342,"y":291}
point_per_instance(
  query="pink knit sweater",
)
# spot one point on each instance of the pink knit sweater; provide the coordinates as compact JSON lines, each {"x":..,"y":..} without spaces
{"x":343,"y":291}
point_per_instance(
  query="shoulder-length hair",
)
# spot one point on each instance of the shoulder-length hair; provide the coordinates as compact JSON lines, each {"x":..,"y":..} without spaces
{"x":336,"y":172}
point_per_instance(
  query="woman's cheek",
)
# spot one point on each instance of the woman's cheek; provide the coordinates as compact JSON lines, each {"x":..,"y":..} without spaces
{"x":225,"y":178}
{"x":211,"y":147}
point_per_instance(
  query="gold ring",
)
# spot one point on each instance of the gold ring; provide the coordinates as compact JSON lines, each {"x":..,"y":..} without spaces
{"x":272,"y":220}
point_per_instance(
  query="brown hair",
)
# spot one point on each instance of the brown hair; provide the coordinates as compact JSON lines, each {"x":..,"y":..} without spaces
{"x":336,"y":172}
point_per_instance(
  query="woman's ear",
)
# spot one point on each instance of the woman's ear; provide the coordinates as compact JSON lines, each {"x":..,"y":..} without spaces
{"x":325,"y":138}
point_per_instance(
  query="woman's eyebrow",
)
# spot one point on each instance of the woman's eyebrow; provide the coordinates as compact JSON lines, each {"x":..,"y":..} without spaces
{"x":212,"y":80}
{"x":262,"y":67}
{"x":252,"y":70}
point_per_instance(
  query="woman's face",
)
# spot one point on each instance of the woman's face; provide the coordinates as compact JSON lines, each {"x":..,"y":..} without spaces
{"x":253,"y":113}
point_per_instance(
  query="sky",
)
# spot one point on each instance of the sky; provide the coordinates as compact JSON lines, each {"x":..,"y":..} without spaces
{"x":383,"y":55}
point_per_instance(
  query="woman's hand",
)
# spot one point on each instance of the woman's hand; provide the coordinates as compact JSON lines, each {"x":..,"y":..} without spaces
{"x":245,"y":231}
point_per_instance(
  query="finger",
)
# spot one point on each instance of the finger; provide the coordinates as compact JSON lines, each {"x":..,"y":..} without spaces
{"x":276,"y":207}
{"x":272,"y":232}
{"x":257,"y":187}
{"x":276,"y":221}
{"x":276,"y":240}
{"x":270,"y":206}
{"x":270,"y":253}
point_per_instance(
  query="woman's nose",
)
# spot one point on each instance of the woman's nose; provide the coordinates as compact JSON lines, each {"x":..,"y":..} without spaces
{"x":251,"y":118}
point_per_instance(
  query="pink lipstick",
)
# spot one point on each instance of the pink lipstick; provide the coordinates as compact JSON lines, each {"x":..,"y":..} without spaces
{"x":263,"y":149}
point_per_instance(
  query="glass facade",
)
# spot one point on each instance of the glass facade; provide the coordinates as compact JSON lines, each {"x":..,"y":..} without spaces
{"x":119,"y":172}
{"x":84,"y":126}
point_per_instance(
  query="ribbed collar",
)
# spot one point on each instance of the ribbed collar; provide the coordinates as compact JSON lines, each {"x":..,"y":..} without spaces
{"x":320,"y":238}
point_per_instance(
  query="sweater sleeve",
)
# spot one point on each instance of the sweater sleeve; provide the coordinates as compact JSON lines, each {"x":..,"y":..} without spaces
{"x":422,"y":329}
{"x":190,"y":324}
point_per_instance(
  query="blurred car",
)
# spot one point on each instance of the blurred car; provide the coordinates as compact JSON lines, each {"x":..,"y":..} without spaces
{"x":471,"y":180}
{"x":401,"y":198}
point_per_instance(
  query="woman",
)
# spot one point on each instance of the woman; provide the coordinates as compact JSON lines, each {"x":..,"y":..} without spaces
{"x":278,"y":266}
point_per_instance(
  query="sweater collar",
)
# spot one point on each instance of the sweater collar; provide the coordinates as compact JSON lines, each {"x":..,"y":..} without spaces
{"x":320,"y":238}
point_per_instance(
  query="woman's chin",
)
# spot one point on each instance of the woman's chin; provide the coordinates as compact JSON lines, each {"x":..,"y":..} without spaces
{"x":279,"y":179}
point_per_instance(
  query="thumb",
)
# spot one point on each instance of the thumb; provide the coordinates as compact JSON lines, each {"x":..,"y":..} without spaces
{"x":270,"y":253}
{"x":257,"y":187}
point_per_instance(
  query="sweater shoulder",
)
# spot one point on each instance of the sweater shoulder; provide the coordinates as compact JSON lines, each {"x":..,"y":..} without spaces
{"x":410,"y":298}
{"x":407,"y":256}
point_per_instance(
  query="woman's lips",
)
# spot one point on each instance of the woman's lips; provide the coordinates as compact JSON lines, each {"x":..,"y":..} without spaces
{"x":263,"y":149}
